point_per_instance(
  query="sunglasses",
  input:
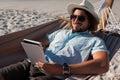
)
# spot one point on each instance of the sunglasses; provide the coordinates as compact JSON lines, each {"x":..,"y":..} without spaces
{"x":80,"y":18}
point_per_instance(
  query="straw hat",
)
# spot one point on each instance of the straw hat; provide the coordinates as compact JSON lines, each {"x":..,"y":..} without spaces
{"x":85,"y":5}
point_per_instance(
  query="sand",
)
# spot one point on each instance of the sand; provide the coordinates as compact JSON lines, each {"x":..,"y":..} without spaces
{"x":19,"y":15}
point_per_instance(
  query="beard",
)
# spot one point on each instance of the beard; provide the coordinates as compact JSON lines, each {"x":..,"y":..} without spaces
{"x":79,"y":28}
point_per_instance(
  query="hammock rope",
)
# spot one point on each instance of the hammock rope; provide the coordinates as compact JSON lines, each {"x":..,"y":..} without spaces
{"x":108,"y":21}
{"x":112,"y":23}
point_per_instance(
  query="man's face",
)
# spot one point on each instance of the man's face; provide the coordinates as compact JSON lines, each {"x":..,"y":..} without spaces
{"x":79,"y":21}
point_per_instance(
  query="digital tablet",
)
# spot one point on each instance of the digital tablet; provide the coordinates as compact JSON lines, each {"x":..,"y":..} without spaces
{"x":34,"y":50}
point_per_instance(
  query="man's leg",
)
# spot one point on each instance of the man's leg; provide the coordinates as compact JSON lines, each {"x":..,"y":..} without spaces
{"x":18,"y":71}
{"x":23,"y":71}
{"x":44,"y":78}
{"x":36,"y":74}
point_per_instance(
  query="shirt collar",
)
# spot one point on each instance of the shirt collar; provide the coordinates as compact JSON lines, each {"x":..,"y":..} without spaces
{"x":80,"y":33}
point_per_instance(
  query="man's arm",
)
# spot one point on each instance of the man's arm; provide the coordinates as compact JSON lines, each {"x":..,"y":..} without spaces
{"x":99,"y":64}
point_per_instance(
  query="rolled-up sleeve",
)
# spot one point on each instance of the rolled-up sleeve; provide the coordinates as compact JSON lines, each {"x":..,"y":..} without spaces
{"x":99,"y":45}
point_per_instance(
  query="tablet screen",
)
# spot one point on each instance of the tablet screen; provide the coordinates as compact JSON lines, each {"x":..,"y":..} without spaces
{"x":34,"y":50}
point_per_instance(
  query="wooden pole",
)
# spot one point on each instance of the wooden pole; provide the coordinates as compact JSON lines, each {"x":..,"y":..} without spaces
{"x":110,"y":3}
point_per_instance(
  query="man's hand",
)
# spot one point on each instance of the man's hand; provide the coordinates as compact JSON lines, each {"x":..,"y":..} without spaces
{"x":50,"y":68}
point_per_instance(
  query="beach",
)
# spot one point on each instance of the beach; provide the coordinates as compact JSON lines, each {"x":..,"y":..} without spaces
{"x":19,"y":15}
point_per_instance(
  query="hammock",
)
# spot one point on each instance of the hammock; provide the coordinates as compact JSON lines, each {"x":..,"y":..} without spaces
{"x":11,"y":50}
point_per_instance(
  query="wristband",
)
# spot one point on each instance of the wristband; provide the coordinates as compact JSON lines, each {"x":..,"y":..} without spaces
{"x":66,"y":70}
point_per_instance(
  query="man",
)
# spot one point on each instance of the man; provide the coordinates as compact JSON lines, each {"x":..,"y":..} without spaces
{"x":69,"y":50}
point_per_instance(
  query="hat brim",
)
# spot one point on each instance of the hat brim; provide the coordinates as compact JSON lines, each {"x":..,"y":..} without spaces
{"x":72,"y":6}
